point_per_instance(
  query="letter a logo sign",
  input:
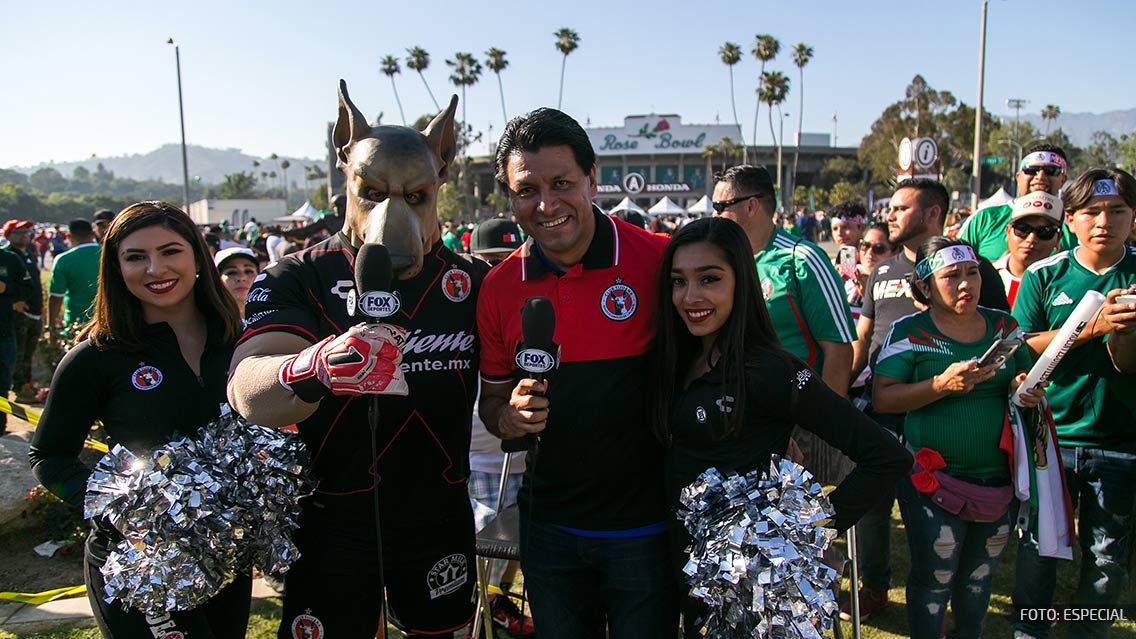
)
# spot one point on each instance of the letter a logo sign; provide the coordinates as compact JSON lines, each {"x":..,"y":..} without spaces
{"x":633,"y":182}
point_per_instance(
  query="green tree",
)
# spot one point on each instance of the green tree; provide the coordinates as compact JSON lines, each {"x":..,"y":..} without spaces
{"x":419,"y":60}
{"x":765,"y":48}
{"x":1050,"y":113}
{"x":731,"y":54}
{"x":844,"y":191}
{"x":449,"y":202}
{"x":389,"y":67}
{"x":238,"y":186}
{"x":802,"y":53}
{"x":8,"y":176}
{"x":1103,"y":150}
{"x":1126,"y":152}
{"x":567,"y":41}
{"x":495,"y":60}
{"x":774,"y":90}
{"x":727,"y":149}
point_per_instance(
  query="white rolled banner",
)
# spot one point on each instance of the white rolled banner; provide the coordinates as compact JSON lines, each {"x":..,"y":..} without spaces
{"x":1082,"y":314}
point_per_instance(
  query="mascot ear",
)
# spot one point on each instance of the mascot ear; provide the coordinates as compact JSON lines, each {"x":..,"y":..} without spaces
{"x":440,"y":136}
{"x":350,"y":126}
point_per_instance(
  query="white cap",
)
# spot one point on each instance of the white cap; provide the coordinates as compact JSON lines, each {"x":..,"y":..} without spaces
{"x":237,"y":251}
{"x":1038,"y":203}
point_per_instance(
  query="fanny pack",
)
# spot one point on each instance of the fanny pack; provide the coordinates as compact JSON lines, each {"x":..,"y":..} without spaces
{"x":970,"y":502}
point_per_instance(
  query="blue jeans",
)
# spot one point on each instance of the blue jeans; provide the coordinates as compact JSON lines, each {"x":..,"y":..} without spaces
{"x":951,"y":560}
{"x":580,"y":585}
{"x":1101,"y":481}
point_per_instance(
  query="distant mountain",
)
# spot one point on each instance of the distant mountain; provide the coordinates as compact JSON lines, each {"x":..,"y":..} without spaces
{"x":1081,"y":126}
{"x":164,"y":163}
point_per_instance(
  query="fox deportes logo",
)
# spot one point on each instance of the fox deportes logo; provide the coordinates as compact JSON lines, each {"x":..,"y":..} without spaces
{"x":378,"y":304}
{"x":534,"y":360}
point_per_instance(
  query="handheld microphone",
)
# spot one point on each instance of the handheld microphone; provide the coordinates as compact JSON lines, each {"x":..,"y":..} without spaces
{"x":536,"y":355}
{"x":371,"y":297}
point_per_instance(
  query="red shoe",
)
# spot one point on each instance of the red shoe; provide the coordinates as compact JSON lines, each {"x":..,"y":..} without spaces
{"x":871,"y":600}
{"x":507,"y":616}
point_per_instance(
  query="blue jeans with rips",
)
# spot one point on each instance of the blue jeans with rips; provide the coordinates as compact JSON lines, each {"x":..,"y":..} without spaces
{"x":1101,"y":486}
{"x":580,"y":585}
{"x":951,"y":560}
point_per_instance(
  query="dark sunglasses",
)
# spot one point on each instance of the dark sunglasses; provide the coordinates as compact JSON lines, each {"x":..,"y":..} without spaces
{"x":1048,"y":169}
{"x":877,"y":249}
{"x":1023,"y":230}
{"x":722,"y":206}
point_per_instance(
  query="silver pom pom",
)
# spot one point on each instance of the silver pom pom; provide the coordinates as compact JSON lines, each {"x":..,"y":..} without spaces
{"x":756,"y":552}
{"x":195,"y":513}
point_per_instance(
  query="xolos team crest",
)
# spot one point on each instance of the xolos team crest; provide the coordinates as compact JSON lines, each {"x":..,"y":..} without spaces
{"x":456,"y":285}
{"x":618,"y":301}
{"x":146,"y":377}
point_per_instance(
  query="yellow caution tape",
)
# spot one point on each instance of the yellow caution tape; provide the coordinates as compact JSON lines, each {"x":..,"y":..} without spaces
{"x":32,"y":417}
{"x":43,"y":597}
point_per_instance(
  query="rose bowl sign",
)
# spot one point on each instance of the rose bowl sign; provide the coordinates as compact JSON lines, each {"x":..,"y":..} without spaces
{"x":659,"y":134}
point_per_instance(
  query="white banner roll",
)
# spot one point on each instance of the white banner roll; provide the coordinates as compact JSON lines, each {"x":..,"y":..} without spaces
{"x":1082,"y":314}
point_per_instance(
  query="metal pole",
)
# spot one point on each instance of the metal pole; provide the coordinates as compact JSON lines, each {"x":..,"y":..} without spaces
{"x":181,"y":115}
{"x":1016,"y":104}
{"x":976,"y":175}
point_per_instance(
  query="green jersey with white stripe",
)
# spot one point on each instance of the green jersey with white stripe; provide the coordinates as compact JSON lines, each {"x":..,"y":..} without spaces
{"x":804,"y":295}
{"x":1093,"y":404}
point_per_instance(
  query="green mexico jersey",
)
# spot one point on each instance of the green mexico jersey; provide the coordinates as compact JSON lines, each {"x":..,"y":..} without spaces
{"x":965,"y":428}
{"x":804,"y":295}
{"x":1093,"y":404}
{"x":986,"y":232}
{"x":75,"y":276}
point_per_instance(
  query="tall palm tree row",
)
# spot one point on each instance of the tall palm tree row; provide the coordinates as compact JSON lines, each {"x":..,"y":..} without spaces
{"x":389,"y":67}
{"x":567,"y":41}
{"x":730,"y":55}
{"x":774,"y":90}
{"x":765,"y":48}
{"x":418,"y":59}
{"x":495,"y":60}
{"x":802,"y":53}
{"x":1050,"y":114}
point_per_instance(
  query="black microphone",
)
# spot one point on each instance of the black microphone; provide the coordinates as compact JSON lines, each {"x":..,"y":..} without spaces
{"x":372,"y":297}
{"x":536,"y":355}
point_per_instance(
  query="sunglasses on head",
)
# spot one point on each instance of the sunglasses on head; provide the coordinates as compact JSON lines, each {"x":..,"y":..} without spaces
{"x":877,"y":249}
{"x":722,"y":206}
{"x":1044,"y":232}
{"x":1048,"y":169}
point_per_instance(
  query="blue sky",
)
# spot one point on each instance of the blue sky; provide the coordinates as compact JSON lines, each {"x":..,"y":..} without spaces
{"x":98,"y":77}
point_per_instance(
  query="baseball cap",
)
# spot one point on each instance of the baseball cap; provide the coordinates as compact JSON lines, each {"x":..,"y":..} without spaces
{"x":225,"y":255}
{"x":1038,"y":203}
{"x":103,"y":215}
{"x":16,"y":225}
{"x":495,"y":236}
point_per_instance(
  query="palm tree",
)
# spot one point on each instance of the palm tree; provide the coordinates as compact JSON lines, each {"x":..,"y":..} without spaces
{"x":567,"y":41}
{"x":389,"y":66}
{"x":1050,"y":114}
{"x":725,"y":147}
{"x":467,"y":71}
{"x":765,"y":48}
{"x":802,"y":53}
{"x":418,"y":60}
{"x":731,"y":54}
{"x":774,"y":90}
{"x":284,"y":164}
{"x":496,"y":62}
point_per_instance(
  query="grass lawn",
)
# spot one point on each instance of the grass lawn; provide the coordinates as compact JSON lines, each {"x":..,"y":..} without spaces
{"x":889,"y":623}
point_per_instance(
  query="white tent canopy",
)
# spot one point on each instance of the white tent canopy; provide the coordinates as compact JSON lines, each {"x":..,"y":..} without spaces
{"x":627,"y":205}
{"x":307,"y":210}
{"x":666,"y":206}
{"x":998,"y":199}
{"x":702,"y":206}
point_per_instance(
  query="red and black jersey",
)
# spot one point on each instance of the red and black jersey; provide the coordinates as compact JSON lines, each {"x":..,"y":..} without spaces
{"x":423,"y":438}
{"x":599,"y":467}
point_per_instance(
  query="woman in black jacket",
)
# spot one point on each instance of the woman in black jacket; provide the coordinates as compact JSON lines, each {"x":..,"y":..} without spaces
{"x":727,"y":395}
{"x":151,"y":366}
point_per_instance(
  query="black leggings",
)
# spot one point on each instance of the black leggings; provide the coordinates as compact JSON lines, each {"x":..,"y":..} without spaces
{"x":225,"y":616}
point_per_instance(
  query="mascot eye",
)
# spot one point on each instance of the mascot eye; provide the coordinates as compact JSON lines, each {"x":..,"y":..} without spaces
{"x":373,"y":195}
{"x":414,"y":198}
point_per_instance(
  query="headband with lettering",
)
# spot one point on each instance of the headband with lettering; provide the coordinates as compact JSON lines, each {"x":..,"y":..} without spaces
{"x":943,"y":258}
{"x":1105,"y":187}
{"x":1044,"y":157}
{"x":848,"y":217}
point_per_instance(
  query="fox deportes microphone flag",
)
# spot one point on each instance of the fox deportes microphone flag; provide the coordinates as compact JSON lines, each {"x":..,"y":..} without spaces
{"x":537,"y":354}
{"x":372,"y":297}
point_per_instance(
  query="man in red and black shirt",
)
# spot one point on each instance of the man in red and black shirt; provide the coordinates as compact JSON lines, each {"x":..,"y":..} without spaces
{"x":593,"y":545}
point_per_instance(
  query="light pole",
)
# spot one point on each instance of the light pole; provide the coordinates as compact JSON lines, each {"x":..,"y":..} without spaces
{"x":181,"y":114}
{"x":1016,"y":104}
{"x":976,"y":173}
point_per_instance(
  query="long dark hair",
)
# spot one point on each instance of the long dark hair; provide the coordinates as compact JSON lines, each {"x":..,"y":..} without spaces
{"x":747,"y":331}
{"x":933,"y":245}
{"x":117,"y":321}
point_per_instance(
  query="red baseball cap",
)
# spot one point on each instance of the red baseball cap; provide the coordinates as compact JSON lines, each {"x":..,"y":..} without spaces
{"x":16,"y":225}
